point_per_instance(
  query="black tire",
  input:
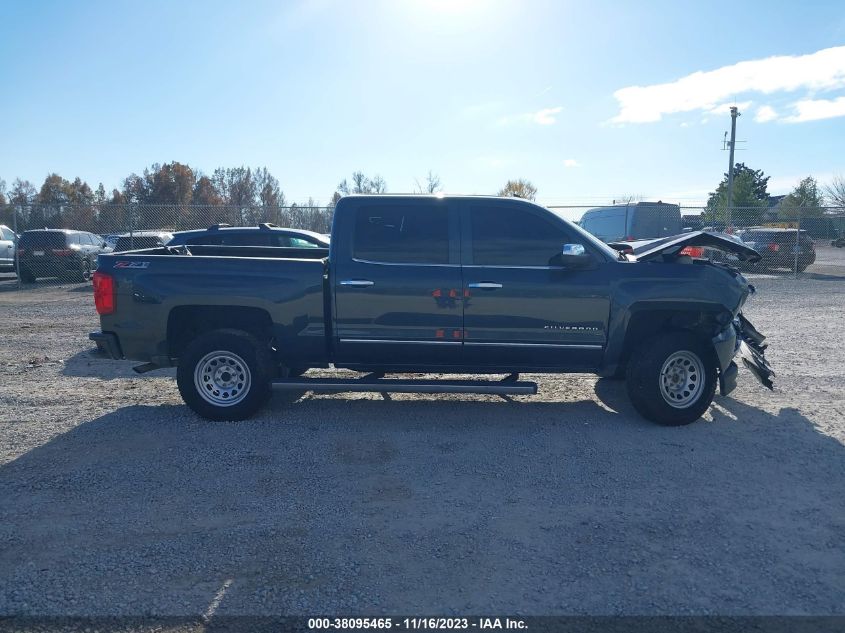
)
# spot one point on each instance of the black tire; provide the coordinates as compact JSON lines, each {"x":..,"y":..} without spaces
{"x":246,"y":352}
{"x":83,"y":275}
{"x":26,"y":276}
{"x":696,"y":364}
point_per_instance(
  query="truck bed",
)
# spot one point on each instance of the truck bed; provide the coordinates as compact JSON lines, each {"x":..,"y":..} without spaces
{"x":161,"y":293}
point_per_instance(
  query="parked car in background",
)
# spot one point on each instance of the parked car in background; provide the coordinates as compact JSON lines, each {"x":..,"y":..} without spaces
{"x":262,"y":235}
{"x":62,"y":253}
{"x":634,"y":221}
{"x":779,"y":247}
{"x":8,"y":243}
{"x":111,"y":239}
{"x":141,"y":239}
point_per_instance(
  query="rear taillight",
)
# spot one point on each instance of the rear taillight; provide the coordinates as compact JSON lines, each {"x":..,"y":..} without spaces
{"x":692,"y":251}
{"x":62,"y":252}
{"x":103,"y":293}
{"x":774,"y":247}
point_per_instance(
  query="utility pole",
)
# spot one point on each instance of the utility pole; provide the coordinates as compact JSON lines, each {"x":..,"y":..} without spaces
{"x":734,"y":115}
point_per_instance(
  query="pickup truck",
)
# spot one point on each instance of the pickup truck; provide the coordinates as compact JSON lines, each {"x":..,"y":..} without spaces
{"x":434,"y":285}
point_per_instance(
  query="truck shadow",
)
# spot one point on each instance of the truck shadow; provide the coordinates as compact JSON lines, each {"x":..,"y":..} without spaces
{"x":358,"y":505}
{"x":92,"y":363}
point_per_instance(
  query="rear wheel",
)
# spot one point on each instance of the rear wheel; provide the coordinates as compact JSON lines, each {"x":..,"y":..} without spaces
{"x":27,"y":276}
{"x":672,"y":378}
{"x":84,"y":274}
{"x":225,"y":375}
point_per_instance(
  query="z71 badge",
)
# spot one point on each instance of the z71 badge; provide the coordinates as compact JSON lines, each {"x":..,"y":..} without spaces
{"x":125,"y":264}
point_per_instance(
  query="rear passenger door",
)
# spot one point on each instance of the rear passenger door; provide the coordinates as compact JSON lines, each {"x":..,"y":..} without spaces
{"x":397,"y":291}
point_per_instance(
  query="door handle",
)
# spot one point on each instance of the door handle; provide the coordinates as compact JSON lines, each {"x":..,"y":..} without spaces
{"x":485,"y":285}
{"x":357,"y":283}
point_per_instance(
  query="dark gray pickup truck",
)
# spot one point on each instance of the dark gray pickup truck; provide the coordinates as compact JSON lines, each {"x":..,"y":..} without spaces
{"x":434,"y":284}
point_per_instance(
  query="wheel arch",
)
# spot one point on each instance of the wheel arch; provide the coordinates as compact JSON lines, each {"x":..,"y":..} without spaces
{"x":185,"y":323}
{"x":645,"y":321}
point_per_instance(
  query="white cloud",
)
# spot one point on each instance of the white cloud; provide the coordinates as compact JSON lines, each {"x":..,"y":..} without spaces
{"x":546,"y":116}
{"x":816,"y":110}
{"x":764,"y":114}
{"x":822,"y":70}
{"x":571,"y":162}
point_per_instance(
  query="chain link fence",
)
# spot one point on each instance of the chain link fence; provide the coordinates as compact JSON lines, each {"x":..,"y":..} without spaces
{"x":141,"y":224}
{"x":791,"y":240}
{"x":794,"y":239}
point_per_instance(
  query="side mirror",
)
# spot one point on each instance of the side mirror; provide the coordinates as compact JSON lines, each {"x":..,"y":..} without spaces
{"x":575,"y":256}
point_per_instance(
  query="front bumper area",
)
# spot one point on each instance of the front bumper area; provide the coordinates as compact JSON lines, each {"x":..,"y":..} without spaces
{"x":107,"y":342}
{"x":752,"y":347}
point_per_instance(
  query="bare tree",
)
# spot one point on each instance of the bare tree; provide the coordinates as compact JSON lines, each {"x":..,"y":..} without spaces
{"x":362,"y":184}
{"x":431,"y":185}
{"x":378,"y":185}
{"x":520,"y":188}
{"x":628,"y":198}
{"x":835,"y":192}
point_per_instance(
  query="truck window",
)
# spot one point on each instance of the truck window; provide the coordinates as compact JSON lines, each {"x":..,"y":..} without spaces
{"x":402,"y":235}
{"x":512,"y":237}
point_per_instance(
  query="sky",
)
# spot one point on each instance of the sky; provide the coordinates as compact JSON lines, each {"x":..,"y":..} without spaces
{"x":588,"y":100}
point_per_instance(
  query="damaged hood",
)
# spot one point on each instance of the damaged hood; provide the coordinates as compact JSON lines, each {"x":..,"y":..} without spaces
{"x":646,"y":250}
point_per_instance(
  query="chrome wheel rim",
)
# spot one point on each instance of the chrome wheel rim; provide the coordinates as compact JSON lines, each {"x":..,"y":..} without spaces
{"x":681,"y":379}
{"x":222,"y":378}
{"x":86,"y":271}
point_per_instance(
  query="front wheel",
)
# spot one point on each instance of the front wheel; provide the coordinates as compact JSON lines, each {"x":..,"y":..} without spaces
{"x":672,"y":378}
{"x":225,"y":375}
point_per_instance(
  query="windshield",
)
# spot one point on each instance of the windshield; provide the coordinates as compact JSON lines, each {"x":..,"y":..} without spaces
{"x":594,"y":241}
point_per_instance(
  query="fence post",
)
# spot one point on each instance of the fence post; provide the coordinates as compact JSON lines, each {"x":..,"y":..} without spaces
{"x":17,"y":239}
{"x":797,"y":243}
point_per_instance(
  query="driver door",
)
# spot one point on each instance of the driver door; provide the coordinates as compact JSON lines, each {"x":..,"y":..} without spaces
{"x":522,"y":307}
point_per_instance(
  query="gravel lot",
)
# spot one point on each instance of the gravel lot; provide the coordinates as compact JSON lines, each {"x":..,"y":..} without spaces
{"x":116,"y":500}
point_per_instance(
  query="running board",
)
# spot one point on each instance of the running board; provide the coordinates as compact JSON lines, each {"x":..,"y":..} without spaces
{"x":508,"y":386}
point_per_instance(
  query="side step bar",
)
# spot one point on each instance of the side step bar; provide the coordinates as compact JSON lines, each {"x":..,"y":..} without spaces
{"x":509,"y":386}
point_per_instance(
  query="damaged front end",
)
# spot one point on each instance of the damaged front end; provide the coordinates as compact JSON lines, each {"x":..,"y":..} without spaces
{"x":751,"y":349}
{"x":738,"y":335}
{"x":749,"y":344}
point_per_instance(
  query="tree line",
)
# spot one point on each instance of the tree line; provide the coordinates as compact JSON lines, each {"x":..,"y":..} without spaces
{"x":752,"y":200}
{"x":174,"y":195}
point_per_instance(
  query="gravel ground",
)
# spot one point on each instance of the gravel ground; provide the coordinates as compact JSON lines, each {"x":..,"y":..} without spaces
{"x":116,"y":500}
